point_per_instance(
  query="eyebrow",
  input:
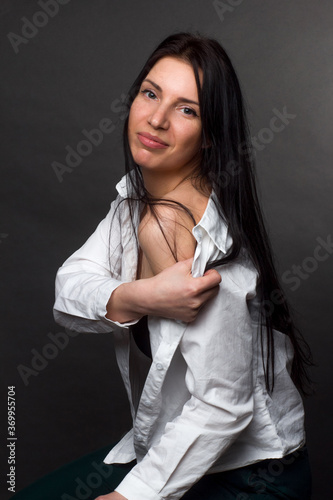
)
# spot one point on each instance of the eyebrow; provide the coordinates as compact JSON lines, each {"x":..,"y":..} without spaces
{"x":183,"y":99}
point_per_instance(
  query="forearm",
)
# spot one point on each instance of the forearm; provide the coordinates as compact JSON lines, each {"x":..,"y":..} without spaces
{"x":129,"y":301}
{"x":188,"y":448}
{"x":150,"y":296}
{"x":173,"y":293}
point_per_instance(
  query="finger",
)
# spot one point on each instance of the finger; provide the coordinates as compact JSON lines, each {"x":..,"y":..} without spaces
{"x":210,"y":279}
{"x":211,"y":271}
{"x":203,"y":299}
{"x":208,"y":294}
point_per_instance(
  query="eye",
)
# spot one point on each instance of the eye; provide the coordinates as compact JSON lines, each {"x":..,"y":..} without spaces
{"x":149,"y":93}
{"x":189,"y":111}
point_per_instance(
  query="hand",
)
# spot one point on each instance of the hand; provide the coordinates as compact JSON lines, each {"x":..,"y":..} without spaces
{"x":173,"y":293}
{"x":111,"y":496}
{"x":176,"y":294}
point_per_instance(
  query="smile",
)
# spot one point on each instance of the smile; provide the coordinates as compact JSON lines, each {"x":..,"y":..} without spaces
{"x":151,"y":141}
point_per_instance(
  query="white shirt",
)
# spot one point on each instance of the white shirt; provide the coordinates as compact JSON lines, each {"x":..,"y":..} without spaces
{"x":203,"y":407}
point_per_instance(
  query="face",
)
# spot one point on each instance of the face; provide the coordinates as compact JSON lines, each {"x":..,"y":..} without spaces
{"x":164,"y":128}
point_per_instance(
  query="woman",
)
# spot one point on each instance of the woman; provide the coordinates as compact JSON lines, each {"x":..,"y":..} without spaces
{"x":181,"y":271}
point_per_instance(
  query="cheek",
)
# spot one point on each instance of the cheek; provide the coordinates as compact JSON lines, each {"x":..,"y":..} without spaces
{"x":134,"y":114}
{"x":191,"y":137}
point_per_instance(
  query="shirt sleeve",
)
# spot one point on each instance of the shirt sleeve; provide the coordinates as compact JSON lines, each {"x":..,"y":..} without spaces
{"x":218,"y":350}
{"x":86,"y":280}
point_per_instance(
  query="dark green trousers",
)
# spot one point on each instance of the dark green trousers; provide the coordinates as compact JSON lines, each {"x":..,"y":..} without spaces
{"x":88,"y":477}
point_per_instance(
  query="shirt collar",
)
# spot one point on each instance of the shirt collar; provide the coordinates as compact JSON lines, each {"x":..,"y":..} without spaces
{"x":121,"y":187}
{"x":211,"y":221}
{"x":214,"y":225}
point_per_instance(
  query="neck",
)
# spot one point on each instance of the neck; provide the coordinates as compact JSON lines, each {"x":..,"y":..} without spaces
{"x":159,"y":184}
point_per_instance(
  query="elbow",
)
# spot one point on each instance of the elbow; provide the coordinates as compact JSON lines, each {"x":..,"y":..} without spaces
{"x":64,"y":320}
{"x":58,"y":317}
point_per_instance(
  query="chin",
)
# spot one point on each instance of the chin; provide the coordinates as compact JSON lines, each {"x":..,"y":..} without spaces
{"x":144,"y":159}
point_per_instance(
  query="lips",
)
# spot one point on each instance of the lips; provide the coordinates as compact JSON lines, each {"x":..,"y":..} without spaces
{"x":152,"y":141}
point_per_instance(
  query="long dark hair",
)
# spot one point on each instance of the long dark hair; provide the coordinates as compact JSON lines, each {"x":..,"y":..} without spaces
{"x":227,"y":164}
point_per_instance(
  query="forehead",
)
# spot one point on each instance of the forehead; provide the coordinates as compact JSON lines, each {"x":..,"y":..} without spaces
{"x":174,"y":74}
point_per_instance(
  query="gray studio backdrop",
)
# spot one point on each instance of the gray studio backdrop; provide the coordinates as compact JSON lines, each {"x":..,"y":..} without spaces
{"x":66,"y":67}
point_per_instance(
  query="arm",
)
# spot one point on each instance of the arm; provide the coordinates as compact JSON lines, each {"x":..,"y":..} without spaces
{"x":91,"y":297}
{"x":86,"y":280}
{"x":172,"y":292}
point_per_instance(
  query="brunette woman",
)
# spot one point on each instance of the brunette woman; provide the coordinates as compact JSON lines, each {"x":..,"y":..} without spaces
{"x":181,"y":271}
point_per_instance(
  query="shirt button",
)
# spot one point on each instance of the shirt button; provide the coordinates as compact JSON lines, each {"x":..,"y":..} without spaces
{"x":159,"y":366}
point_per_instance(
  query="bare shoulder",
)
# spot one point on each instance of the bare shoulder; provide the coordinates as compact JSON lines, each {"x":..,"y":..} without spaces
{"x":165,"y":231}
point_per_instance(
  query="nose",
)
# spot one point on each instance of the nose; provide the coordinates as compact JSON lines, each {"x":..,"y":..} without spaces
{"x":159,"y":118}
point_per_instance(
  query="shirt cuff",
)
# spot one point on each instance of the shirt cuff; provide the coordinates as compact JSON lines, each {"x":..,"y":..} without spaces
{"x":134,"y":488}
{"x":104,"y":294}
